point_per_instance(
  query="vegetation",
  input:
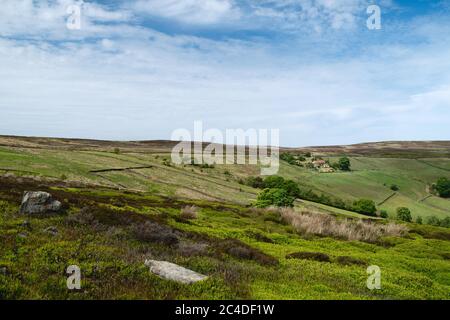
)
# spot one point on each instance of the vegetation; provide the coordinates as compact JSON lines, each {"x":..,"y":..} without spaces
{"x":274,"y":197}
{"x":404,"y":214}
{"x":344,"y":164}
{"x":365,"y":206}
{"x":317,"y":249}
{"x":443,"y":187}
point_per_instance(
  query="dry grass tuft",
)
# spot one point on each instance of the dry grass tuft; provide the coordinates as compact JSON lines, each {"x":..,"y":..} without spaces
{"x":326,"y":225}
{"x":189,"y":213}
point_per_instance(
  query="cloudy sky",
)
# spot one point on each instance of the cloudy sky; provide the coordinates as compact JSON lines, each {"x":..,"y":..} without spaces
{"x":139,"y":69}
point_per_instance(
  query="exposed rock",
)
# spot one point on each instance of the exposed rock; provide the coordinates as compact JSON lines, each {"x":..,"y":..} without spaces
{"x":38,"y":202}
{"x":174,"y":272}
{"x":52,"y":230}
{"x":22,"y":235}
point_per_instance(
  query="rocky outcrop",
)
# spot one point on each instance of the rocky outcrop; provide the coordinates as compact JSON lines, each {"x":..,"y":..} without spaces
{"x":39,"y":202}
{"x":174,"y":272}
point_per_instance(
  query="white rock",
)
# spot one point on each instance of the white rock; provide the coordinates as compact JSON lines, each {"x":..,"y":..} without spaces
{"x":172,"y":271}
{"x":38,"y":202}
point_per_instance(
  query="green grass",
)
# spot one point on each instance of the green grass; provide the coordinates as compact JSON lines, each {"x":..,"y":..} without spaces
{"x":112,"y":267}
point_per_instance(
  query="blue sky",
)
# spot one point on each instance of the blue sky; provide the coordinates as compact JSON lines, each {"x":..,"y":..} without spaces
{"x":140,"y":69}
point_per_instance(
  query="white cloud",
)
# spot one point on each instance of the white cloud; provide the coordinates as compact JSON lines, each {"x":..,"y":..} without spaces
{"x":190,"y":11}
{"x":131,"y":82}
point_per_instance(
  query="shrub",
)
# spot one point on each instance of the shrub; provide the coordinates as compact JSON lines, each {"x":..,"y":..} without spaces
{"x":404,"y":214}
{"x":240,"y":250}
{"x":365,"y":206}
{"x":316,"y":256}
{"x":384,"y":214}
{"x":395,"y":187}
{"x":274,"y":182}
{"x":433,"y":221}
{"x":276,"y":197}
{"x":154,"y":232}
{"x":189,"y":212}
{"x":348,"y":261}
{"x":192,"y":249}
{"x":419,"y":220}
{"x":255,"y":182}
{"x":116,"y":150}
{"x":445,"y":222}
{"x":443,"y":187}
{"x":344,"y":164}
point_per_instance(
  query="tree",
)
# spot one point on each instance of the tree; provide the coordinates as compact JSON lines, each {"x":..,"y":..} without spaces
{"x":274,"y":182}
{"x":394,"y":187}
{"x":404,"y":214}
{"x":344,"y":164}
{"x":443,"y":187}
{"x":255,"y":182}
{"x":276,"y":197}
{"x":365,"y":206}
{"x":433,"y":221}
{"x":384,"y":214}
{"x":445,"y":222}
{"x":419,"y":220}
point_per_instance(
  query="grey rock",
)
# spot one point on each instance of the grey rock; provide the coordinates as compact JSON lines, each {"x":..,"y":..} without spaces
{"x":174,"y":272}
{"x":39,"y":202}
{"x":22,"y":235}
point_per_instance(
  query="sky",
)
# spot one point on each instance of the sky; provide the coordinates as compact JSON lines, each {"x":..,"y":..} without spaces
{"x":141,"y":69}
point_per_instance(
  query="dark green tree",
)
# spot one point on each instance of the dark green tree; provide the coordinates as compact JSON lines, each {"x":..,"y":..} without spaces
{"x":404,"y":214}
{"x":365,"y":206}
{"x":274,"y":197}
{"x":344,"y":164}
{"x":443,"y":187}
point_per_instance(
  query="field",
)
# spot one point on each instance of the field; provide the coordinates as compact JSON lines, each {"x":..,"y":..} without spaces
{"x":110,"y":190}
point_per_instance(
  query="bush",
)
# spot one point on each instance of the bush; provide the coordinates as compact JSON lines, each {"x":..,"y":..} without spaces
{"x":384,"y":214}
{"x":189,"y":212}
{"x":365,"y":206}
{"x":419,"y":220}
{"x":240,"y":250}
{"x":274,"y":182}
{"x":404,"y":214}
{"x":395,"y":187}
{"x":315,"y":256}
{"x":255,"y":182}
{"x":153,"y":232}
{"x":445,"y":222}
{"x":116,"y":150}
{"x":433,"y":221}
{"x":348,"y":261}
{"x":443,"y":187}
{"x":344,"y":164}
{"x":274,"y":197}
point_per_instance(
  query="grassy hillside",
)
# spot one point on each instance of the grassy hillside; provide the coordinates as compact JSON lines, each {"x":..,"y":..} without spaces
{"x":244,"y":251}
{"x":371,"y":175}
{"x":121,"y":200}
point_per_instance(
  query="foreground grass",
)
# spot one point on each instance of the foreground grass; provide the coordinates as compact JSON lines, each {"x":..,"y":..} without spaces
{"x":33,"y":261}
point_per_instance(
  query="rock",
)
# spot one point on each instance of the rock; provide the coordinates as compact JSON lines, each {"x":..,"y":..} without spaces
{"x":174,"y":272}
{"x":52,"y":230}
{"x":22,"y":235}
{"x":38,"y":202}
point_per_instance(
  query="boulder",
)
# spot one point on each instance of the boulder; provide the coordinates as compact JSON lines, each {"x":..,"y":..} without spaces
{"x":39,"y":202}
{"x":174,"y":272}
